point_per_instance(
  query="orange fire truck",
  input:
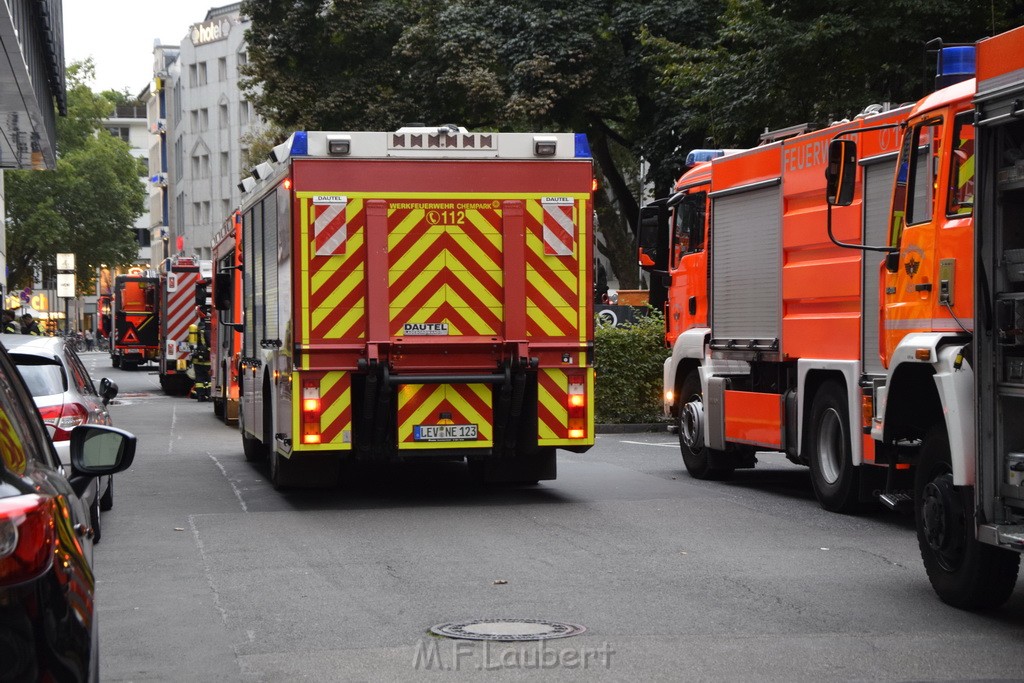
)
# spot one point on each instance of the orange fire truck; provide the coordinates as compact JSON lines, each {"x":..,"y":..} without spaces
{"x":773,"y":328}
{"x":178,"y":279}
{"x":135,"y":336}
{"x":418,"y":294}
{"x":226,"y":325}
{"x":951,"y":396}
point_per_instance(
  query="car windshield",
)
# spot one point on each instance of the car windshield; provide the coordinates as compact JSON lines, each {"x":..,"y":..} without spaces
{"x":44,"y":377}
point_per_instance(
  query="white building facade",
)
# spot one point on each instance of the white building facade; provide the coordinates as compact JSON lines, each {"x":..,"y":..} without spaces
{"x":198,"y":118}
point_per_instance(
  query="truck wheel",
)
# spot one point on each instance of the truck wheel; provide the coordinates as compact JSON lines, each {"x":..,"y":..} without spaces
{"x":696,"y":456}
{"x":964,"y":573}
{"x":251,"y":446}
{"x":833,"y":476}
{"x":218,"y":408}
{"x":115,"y":361}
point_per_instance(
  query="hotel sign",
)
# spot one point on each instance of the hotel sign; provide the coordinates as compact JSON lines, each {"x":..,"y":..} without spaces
{"x":210,"y":31}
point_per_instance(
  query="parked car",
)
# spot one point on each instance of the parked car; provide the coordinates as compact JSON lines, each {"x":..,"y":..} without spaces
{"x":48,"y":628}
{"x":66,"y":397}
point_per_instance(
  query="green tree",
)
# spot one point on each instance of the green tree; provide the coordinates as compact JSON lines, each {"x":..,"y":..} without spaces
{"x":87,"y":206}
{"x":779,"y":63}
{"x":569,"y":65}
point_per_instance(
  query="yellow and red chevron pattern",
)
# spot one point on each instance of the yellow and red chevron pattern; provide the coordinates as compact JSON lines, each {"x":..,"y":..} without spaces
{"x":335,"y":304}
{"x":553,"y":408}
{"x":555,"y":306}
{"x":444,"y":404}
{"x":446,"y":267}
{"x":336,"y":410}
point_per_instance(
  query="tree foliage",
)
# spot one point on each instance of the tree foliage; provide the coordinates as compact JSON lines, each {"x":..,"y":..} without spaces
{"x":569,"y":65}
{"x":87,"y":206}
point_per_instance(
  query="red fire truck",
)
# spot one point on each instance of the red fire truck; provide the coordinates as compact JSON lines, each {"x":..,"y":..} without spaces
{"x":135,"y":336}
{"x":178,"y":279}
{"x":951,"y":396}
{"x":226,"y":323}
{"x":418,"y":294}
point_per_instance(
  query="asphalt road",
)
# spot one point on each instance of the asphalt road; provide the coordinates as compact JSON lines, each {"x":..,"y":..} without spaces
{"x":207,"y":574}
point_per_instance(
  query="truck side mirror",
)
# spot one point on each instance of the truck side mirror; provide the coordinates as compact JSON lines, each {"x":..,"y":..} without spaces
{"x":222,"y":290}
{"x":841,"y":172}
{"x":652,"y":234}
{"x":201,"y":293}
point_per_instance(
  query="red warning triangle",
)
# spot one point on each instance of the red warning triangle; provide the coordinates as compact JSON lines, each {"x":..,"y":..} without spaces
{"x":130,"y":337}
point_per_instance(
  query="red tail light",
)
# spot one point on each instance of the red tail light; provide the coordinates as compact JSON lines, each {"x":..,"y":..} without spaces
{"x":577,"y":400}
{"x":26,"y":538}
{"x":64,"y":418}
{"x":311,"y":412}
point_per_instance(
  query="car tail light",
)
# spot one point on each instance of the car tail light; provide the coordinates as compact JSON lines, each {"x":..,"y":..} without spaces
{"x":310,"y":412}
{"x":577,"y":400}
{"x":64,"y":418}
{"x":26,"y":538}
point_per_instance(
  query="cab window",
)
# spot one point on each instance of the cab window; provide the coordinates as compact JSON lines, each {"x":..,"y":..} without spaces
{"x":961,"y":172}
{"x":925,"y":153}
{"x":688,"y":222}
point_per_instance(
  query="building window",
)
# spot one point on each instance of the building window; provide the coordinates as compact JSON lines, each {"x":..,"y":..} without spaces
{"x":204,"y":166}
{"x":224,"y":169}
{"x":143,"y":237}
{"x":204,"y":119}
{"x":195,"y":167}
{"x":243,"y":113}
{"x":197,"y":213}
{"x":122,"y":132}
{"x":206,"y":212}
{"x":223,"y":121}
{"x":193,"y":78}
{"x":222,"y":68}
{"x":243,"y":59}
{"x":202,"y":73}
{"x":195,"y":120}
{"x":225,"y":208}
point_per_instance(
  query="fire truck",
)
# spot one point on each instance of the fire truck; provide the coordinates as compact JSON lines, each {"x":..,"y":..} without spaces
{"x":179,"y":276}
{"x":226,"y":324}
{"x":135,"y":336}
{"x":773,"y":328}
{"x":951,"y":396}
{"x":414,"y":295}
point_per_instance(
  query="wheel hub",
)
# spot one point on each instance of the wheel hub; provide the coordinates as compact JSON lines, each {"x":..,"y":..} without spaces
{"x":942,"y":520}
{"x":831,"y":446}
{"x":691,"y":424}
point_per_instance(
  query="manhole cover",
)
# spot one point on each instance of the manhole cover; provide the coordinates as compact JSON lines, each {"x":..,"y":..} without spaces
{"x":507,"y":630}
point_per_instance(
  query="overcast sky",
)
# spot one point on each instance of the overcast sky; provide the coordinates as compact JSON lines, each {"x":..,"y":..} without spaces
{"x":119,"y":35}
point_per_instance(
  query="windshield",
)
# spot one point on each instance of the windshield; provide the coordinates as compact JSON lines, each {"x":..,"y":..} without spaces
{"x":44,"y":378}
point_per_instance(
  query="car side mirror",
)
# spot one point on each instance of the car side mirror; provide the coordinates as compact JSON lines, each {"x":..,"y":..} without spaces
{"x":108,"y":390}
{"x":98,"y":450}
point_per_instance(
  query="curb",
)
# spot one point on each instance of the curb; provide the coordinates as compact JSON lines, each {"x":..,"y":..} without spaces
{"x":635,"y":428}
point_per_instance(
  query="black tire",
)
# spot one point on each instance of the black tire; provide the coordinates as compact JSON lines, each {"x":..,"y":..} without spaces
{"x":107,"y":499}
{"x":251,"y":446}
{"x":835,"y":480}
{"x":94,"y":520}
{"x":115,"y":361}
{"x":218,"y":408}
{"x":964,"y":573}
{"x":698,"y":459}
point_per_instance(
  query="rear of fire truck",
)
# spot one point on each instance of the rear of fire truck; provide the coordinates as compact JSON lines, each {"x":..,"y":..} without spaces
{"x":178,"y":279}
{"x":419,"y":294}
{"x":135,"y":333}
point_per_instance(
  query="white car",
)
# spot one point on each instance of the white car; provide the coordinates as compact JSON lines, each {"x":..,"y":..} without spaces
{"x":66,"y":398}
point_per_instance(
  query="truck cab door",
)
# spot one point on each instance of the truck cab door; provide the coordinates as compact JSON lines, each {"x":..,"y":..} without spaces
{"x":688,"y":263}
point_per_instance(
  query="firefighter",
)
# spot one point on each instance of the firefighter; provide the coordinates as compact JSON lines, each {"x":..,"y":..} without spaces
{"x":198,"y":335}
{"x":30,"y":326}
{"x":10,"y":326}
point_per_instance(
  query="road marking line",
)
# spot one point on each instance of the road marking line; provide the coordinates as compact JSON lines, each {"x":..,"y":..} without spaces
{"x":669,"y":444}
{"x":238,"y":494}
{"x":207,"y":569}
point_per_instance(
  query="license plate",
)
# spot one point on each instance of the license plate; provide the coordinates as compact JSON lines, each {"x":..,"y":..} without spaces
{"x":444,"y":433}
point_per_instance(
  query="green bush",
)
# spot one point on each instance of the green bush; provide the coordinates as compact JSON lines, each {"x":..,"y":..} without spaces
{"x":628,"y":361}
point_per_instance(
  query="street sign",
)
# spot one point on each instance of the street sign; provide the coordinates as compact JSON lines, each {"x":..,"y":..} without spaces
{"x":65,"y":262}
{"x":66,"y":285}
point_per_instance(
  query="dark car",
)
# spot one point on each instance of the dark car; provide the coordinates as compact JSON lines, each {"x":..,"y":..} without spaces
{"x":48,"y":627}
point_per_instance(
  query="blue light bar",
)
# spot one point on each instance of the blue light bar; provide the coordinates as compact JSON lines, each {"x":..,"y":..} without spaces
{"x":300,"y":144}
{"x":698,"y":156}
{"x":956,"y":61}
{"x":582,"y":146}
